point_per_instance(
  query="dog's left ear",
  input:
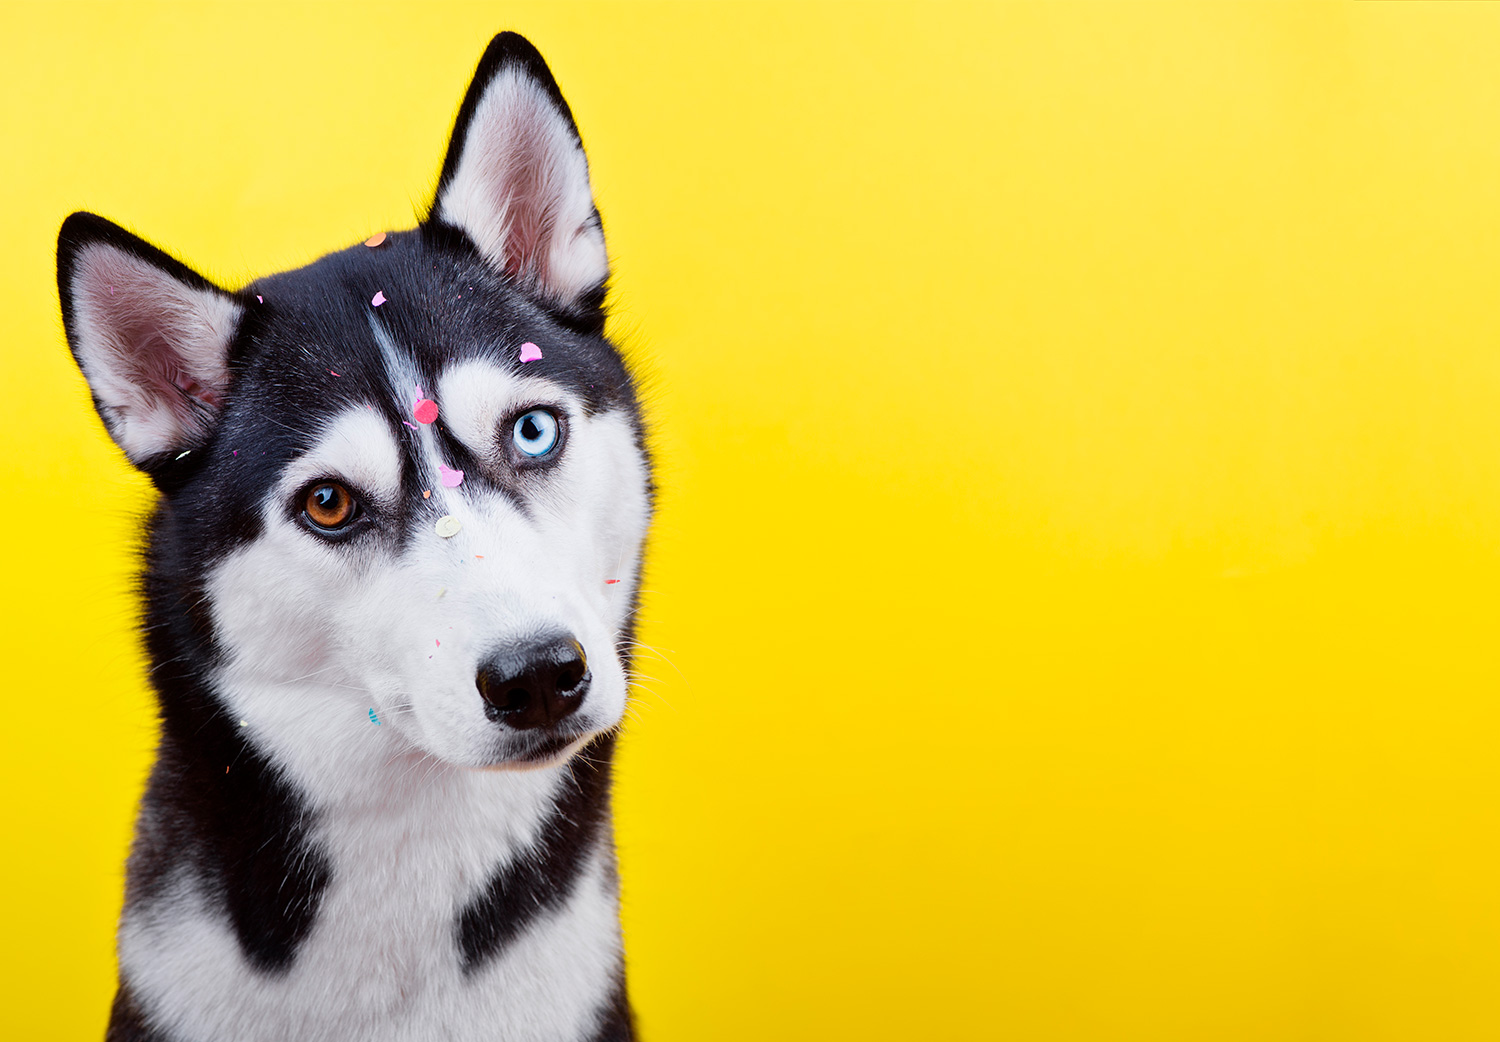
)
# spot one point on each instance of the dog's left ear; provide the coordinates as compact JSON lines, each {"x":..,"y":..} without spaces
{"x":517,"y":183}
{"x":151,"y":335}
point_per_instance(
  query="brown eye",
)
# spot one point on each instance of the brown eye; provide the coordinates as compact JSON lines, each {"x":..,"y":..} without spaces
{"x":329,"y":505}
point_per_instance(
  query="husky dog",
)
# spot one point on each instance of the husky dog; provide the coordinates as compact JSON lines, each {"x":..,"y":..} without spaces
{"x":388,"y":591}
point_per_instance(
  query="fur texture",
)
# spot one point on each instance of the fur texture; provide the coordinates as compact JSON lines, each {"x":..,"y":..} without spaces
{"x":380,"y":808}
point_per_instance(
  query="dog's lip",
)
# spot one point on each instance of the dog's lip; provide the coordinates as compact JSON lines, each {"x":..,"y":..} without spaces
{"x":545,"y":751}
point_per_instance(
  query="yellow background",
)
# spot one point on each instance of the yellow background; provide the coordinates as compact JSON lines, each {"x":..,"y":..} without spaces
{"x":1079,"y":542}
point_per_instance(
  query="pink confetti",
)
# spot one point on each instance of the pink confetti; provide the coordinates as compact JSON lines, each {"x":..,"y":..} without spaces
{"x":437,"y":642}
{"x":530,"y":352}
{"x":610,"y":582}
{"x":451,"y":478}
{"x":378,"y":299}
{"x":111,"y":290}
{"x":259,"y":299}
{"x":425,"y":411}
{"x":413,"y":426}
{"x":332,"y":373}
{"x":236,"y":452}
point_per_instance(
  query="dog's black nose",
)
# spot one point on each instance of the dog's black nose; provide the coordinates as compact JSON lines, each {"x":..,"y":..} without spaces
{"x":534,"y":685}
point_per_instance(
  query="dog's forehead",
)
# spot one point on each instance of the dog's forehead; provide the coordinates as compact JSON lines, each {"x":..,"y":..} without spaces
{"x":378,"y":323}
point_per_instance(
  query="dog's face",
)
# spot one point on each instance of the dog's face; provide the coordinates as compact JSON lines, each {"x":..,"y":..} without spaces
{"x":405,"y":484}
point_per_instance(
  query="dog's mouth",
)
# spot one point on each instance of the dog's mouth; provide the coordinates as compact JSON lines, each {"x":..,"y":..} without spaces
{"x":541,"y":751}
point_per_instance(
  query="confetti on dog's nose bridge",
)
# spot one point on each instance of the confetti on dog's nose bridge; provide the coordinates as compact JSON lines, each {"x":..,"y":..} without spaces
{"x":450,"y":478}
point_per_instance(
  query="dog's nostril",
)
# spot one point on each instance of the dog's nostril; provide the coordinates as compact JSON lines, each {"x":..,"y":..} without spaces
{"x":536,"y":684}
{"x":512,"y":701}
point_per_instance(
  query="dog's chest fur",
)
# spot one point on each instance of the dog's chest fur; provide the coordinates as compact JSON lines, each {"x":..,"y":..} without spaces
{"x":384,"y":956}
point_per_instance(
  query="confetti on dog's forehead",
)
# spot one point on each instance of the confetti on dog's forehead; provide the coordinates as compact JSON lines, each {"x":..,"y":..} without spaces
{"x":378,"y":299}
{"x":448,"y":526}
{"x":426,"y":410}
{"x":451,"y":478}
{"x":530,"y":352}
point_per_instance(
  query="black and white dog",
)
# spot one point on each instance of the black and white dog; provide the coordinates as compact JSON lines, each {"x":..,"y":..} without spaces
{"x":388,"y":597}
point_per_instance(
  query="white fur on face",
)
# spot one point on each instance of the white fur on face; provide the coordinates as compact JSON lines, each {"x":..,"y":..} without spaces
{"x":154,"y":350}
{"x":318,"y":632}
{"x":521,"y":191}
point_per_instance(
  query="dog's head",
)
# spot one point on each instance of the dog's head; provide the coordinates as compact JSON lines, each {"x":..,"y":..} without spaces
{"x":328,"y":552}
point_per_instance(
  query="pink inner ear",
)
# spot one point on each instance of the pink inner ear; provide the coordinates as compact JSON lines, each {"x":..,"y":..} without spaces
{"x":521,"y":191}
{"x":187,"y":385}
{"x":155,"y":350}
{"x":533,"y":177}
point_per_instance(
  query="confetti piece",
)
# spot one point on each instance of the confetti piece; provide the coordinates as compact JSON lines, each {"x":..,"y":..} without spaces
{"x":226,"y":770}
{"x":441,"y":592}
{"x":378,"y":299}
{"x":479,"y":556}
{"x":242,"y":723}
{"x":426,"y":411}
{"x":413,"y":426}
{"x":530,"y":352}
{"x":111,"y":290}
{"x":236,"y":452}
{"x":448,"y":526}
{"x":451,"y":478}
{"x":332,"y":373}
{"x":610,"y":582}
{"x":427,"y":493}
{"x":375,"y":240}
{"x":259,"y":299}
{"x":182,"y":454}
{"x":437,"y":642}
{"x":373,"y":718}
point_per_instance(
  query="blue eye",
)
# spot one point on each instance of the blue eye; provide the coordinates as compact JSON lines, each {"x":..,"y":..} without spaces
{"x":535,"y":433}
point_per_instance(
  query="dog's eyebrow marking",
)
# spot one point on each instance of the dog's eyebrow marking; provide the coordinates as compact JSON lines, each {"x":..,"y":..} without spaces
{"x":355,"y":445}
{"x":476,"y":395}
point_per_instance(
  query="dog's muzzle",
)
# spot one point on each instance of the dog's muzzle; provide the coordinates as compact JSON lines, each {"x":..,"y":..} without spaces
{"x":534,"y":685}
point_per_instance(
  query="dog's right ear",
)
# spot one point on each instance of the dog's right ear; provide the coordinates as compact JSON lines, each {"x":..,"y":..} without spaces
{"x":516,"y":181}
{"x":151,"y":335}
